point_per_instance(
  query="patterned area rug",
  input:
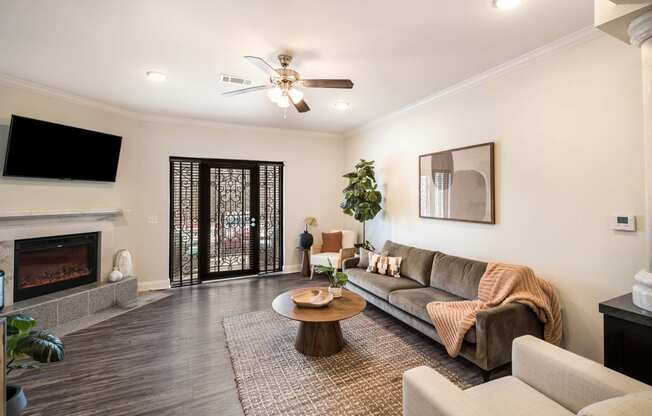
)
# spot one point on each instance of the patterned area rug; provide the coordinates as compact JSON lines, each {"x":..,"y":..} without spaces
{"x":363,"y":379}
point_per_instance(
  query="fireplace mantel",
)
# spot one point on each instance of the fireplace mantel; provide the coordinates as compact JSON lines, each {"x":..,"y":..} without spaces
{"x":54,"y":214}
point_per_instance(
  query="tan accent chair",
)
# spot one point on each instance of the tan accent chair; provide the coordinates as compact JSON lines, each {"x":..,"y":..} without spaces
{"x":546,"y":380}
{"x":319,"y":258}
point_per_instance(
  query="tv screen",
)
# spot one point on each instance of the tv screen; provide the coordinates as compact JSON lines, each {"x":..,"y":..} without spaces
{"x":40,"y":149}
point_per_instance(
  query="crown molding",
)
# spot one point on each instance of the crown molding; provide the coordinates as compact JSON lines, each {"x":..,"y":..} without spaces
{"x":582,"y":35}
{"x":640,"y":29}
{"x":145,"y":117}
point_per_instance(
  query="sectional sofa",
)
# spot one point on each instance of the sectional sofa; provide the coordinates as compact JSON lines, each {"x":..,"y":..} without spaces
{"x":428,"y":276}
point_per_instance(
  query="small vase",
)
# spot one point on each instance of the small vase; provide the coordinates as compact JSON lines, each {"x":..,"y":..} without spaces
{"x":335,"y":291}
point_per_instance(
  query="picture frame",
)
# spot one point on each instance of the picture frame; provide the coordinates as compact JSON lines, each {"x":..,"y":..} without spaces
{"x":458,"y":184}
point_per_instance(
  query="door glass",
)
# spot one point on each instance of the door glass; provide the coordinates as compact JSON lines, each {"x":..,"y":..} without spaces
{"x":231,"y":222}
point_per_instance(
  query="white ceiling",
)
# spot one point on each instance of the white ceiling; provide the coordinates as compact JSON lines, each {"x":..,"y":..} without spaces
{"x":396,"y":52}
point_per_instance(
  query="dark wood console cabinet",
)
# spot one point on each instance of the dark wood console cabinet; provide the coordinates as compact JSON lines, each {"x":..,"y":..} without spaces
{"x":627,"y":338}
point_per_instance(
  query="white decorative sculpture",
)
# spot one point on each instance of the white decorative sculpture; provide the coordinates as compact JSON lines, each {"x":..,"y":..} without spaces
{"x":642,"y":290}
{"x":123,"y":263}
{"x":115,"y":275}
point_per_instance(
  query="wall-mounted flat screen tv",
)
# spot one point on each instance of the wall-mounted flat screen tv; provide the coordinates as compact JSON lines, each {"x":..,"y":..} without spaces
{"x":39,"y":149}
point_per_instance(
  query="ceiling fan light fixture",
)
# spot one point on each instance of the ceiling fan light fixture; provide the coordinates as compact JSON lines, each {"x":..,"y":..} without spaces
{"x":275,"y":94}
{"x":506,"y":4}
{"x":283,"y":102}
{"x":295,"y":95}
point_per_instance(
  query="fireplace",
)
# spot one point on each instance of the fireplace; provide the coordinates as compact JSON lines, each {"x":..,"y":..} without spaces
{"x":50,"y":264}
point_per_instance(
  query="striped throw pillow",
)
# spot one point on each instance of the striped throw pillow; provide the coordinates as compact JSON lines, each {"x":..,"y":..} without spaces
{"x":385,"y":265}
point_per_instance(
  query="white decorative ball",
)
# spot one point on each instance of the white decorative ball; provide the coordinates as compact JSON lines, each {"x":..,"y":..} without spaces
{"x":115,"y":276}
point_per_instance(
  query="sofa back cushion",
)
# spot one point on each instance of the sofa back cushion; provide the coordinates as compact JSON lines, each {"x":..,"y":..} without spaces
{"x":416,"y":263}
{"x":457,"y":275}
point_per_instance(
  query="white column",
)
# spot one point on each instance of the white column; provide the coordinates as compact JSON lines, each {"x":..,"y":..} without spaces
{"x":640,"y":32}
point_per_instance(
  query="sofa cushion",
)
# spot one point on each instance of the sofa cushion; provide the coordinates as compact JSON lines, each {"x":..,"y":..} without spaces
{"x":416,"y":263}
{"x":457,"y":275}
{"x":377,"y":284}
{"x":414,"y":301}
{"x":510,"y":396}
{"x":634,"y":404}
{"x":365,"y":256}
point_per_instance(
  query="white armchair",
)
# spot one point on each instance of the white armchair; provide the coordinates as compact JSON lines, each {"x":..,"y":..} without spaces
{"x":319,"y":258}
{"x":546,"y":380}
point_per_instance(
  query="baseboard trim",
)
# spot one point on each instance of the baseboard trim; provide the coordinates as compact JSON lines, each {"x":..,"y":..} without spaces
{"x":153,"y":285}
{"x":291,"y":268}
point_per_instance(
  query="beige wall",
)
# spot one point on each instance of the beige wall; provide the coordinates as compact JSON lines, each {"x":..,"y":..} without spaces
{"x":568,"y":133}
{"x":312,"y":171}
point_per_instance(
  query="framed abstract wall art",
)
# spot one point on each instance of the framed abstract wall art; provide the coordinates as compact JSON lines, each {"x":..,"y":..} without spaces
{"x":458,"y":184}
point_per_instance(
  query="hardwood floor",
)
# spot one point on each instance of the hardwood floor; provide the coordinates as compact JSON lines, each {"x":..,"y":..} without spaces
{"x":166,"y":358}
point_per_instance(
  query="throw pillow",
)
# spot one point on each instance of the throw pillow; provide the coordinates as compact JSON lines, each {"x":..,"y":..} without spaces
{"x":332,"y":242}
{"x":634,"y":404}
{"x":365,"y":257}
{"x":385,"y":265}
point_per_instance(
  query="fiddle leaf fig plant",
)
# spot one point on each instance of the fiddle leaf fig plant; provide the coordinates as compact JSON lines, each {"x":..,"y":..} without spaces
{"x":361,"y":196}
{"x":26,"y":347}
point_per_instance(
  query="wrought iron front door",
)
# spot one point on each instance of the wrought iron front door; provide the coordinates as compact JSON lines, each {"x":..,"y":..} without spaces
{"x":229,"y":225}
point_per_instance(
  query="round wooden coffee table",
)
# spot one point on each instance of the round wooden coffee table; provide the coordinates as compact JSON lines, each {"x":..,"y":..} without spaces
{"x":319,"y":333}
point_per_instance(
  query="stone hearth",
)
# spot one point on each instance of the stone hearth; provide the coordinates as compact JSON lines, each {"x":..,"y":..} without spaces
{"x":71,"y":304}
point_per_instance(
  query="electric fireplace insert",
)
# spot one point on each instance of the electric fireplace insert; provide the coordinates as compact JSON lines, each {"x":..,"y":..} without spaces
{"x":50,"y":264}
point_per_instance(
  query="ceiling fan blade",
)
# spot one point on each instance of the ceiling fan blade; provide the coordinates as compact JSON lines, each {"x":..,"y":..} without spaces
{"x":301,"y":106}
{"x":327,"y":83}
{"x":262,"y":64}
{"x":245,"y":90}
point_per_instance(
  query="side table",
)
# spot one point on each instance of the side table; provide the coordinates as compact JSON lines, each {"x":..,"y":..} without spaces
{"x":305,"y":261}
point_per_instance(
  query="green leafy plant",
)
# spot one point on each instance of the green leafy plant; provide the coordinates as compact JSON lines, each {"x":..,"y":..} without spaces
{"x":26,"y":347}
{"x":336,"y":279}
{"x":361,"y":197}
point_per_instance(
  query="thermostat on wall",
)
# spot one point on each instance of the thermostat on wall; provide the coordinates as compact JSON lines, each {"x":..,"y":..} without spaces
{"x":623,"y":223}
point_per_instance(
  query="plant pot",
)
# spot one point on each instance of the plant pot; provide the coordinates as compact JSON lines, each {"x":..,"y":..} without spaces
{"x":335,"y":291}
{"x":16,"y":400}
{"x":305,"y":240}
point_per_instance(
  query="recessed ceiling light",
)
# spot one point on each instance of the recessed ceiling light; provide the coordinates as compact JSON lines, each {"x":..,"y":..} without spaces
{"x":506,"y":4}
{"x":342,"y":105}
{"x":156,"y":76}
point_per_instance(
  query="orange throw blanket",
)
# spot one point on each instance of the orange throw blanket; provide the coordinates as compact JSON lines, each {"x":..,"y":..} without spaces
{"x":500,"y":284}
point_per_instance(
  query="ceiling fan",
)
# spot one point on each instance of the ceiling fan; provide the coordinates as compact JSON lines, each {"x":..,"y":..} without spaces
{"x":284,"y":83}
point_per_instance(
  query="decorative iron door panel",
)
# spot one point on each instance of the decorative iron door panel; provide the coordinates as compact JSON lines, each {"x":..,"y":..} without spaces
{"x":229,"y":231}
{"x":184,"y":222}
{"x":226,"y":219}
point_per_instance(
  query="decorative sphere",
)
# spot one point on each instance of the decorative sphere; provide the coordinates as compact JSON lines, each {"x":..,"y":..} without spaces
{"x":115,"y":276}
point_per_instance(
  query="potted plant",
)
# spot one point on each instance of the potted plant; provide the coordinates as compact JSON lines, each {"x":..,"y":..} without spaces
{"x":361,"y":197}
{"x":26,"y":348}
{"x":335,"y":278}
